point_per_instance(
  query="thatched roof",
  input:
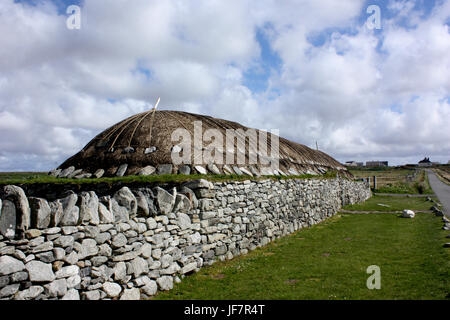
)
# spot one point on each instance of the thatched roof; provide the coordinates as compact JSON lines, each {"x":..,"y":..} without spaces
{"x":145,"y":140}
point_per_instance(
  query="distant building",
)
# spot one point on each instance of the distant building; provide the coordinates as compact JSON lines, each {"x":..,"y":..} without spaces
{"x":425,"y":162}
{"x":353,"y":164}
{"x":376,"y":163}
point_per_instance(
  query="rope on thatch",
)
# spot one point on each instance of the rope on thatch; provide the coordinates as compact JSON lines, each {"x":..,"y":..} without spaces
{"x":151,"y":123}
{"x":118,"y":135}
{"x":139,"y":122}
{"x":124,"y":123}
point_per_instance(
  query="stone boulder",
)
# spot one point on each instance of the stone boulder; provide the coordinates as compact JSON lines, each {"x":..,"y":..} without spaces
{"x":408,"y":213}
{"x":126,"y":199}
{"x":89,"y":208}
{"x":8,"y":219}
{"x":40,"y":213}
{"x":164,"y":200}
{"x":23,"y":212}
{"x":71,"y":212}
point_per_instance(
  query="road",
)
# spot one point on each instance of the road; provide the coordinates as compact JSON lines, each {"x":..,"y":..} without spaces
{"x":441,"y":190}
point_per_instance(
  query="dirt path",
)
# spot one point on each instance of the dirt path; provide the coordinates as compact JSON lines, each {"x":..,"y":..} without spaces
{"x":441,"y":190}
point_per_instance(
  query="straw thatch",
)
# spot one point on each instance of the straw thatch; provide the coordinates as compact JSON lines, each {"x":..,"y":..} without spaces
{"x":145,"y":140}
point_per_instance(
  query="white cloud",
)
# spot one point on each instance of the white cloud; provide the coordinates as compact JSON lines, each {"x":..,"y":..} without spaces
{"x":60,"y":87}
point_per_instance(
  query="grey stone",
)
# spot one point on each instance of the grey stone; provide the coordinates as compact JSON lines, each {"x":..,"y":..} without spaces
{"x":30,"y":293}
{"x":105,"y":250}
{"x":71,"y":294}
{"x":120,"y":271}
{"x":33,"y":233}
{"x":245,"y":171}
{"x":137,"y":267}
{"x":227,"y":170}
{"x":71,"y":258}
{"x":165,"y":283}
{"x":131,"y":294}
{"x":39,"y":271}
{"x":141,"y":281}
{"x":19,"y":276}
{"x":83,"y":176}
{"x":73,"y":281}
{"x":256,"y":172}
{"x":65,"y":172}
{"x":184,"y":169}
{"x":237,"y":170}
{"x":40,"y":213}
{"x":71,"y":212}
{"x":10,"y":265}
{"x":103,"y":237}
{"x":69,"y":230}
{"x":46,"y":246}
{"x":4,"y":280}
{"x":64,"y":241}
{"x":98,"y":260}
{"x":89,"y":211}
{"x":99,"y":173}
{"x":46,"y":257}
{"x":53,"y":230}
{"x":150,"y":288}
{"x":164,"y":200}
{"x":184,"y":222}
{"x":206,"y":204}
{"x":8,"y":219}
{"x":56,"y":212}
{"x":198,"y":184}
{"x":164,"y":169}
{"x":59,"y":253}
{"x":200,"y":169}
{"x":91,"y":231}
{"x":151,"y":223}
{"x":88,"y":248}
{"x":23,"y":212}
{"x":189,"y":267}
{"x":9,"y":290}
{"x":54,"y":172}
{"x":145,"y":205}
{"x":122,"y":169}
{"x":8,"y":250}
{"x":213,"y":168}
{"x":146,"y":171}
{"x":126,"y":256}
{"x":74,"y":173}
{"x":127,"y":200}
{"x":119,"y":240}
{"x":66,"y":272}
{"x":91,"y":295}
{"x":57,"y":288}
{"x":104,"y":214}
{"x":166,"y":261}
{"x":182,"y":203}
{"x":112,"y":289}
{"x":146,"y":250}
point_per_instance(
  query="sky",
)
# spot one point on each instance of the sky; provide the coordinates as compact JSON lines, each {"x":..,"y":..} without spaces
{"x":367,"y":80}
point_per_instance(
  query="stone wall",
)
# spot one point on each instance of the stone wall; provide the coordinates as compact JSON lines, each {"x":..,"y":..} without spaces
{"x":134,"y":241}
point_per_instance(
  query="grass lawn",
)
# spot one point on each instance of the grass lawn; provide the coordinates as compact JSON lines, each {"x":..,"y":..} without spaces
{"x":393,"y":203}
{"x":329,"y":261}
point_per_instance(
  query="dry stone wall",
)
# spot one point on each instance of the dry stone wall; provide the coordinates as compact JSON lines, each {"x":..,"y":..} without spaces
{"x":135,"y":241}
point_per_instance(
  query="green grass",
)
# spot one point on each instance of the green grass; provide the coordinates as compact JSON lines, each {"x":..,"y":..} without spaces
{"x":38,"y":178}
{"x":393,"y":180}
{"x":394,"y":203}
{"x":329,"y":261}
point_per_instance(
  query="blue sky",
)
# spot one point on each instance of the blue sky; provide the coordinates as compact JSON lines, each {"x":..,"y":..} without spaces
{"x":311,"y":69}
